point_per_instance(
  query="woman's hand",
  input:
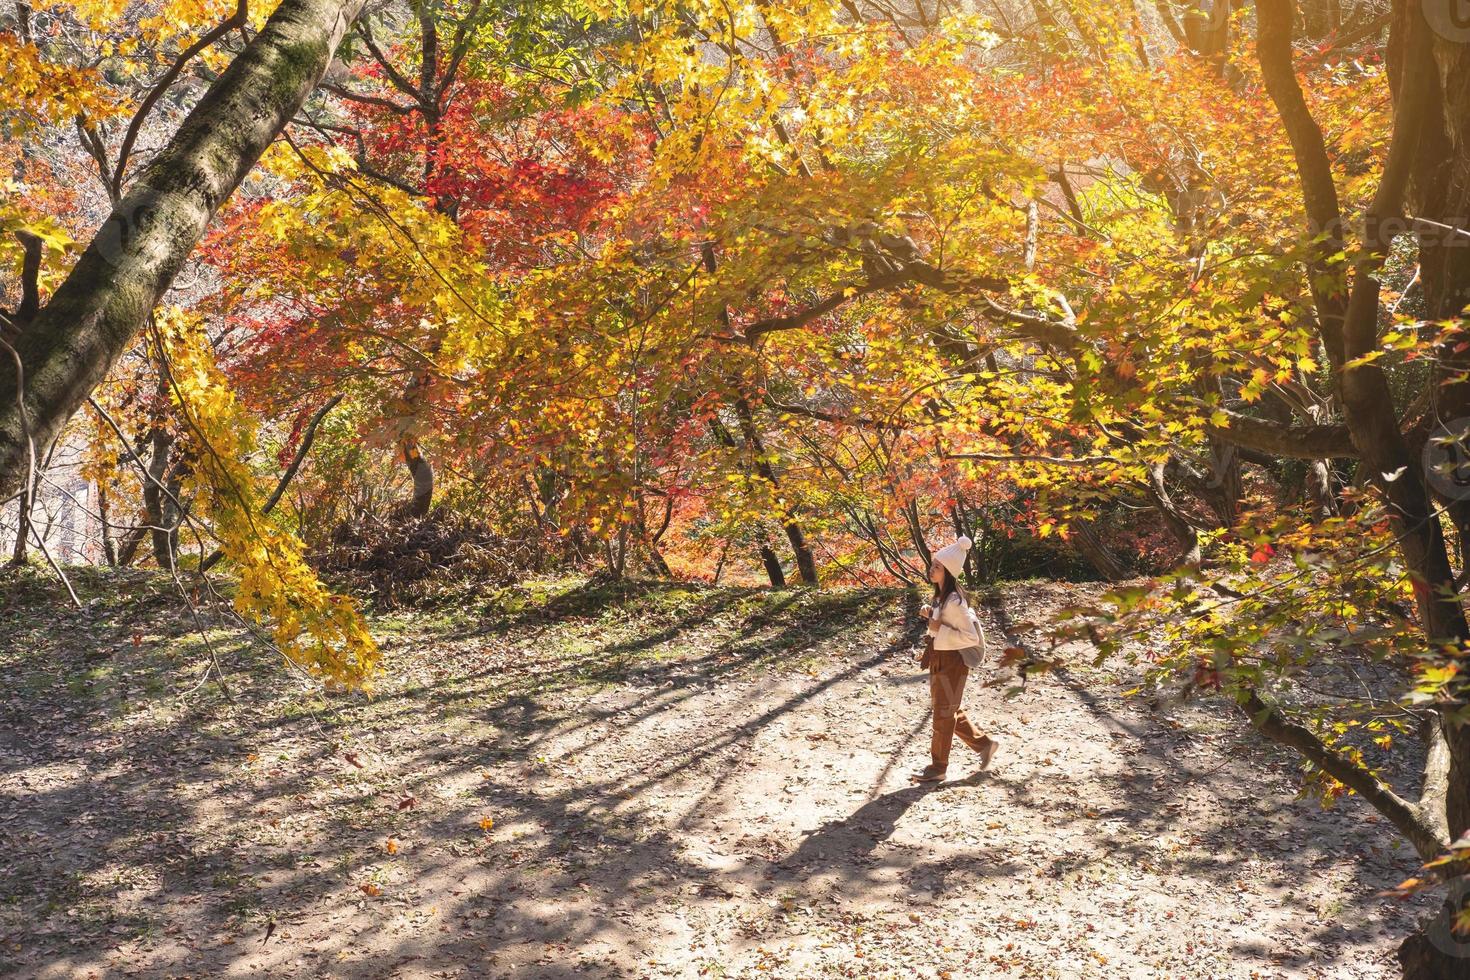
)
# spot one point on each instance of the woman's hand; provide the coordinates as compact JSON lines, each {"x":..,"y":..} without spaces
{"x":926,"y":611}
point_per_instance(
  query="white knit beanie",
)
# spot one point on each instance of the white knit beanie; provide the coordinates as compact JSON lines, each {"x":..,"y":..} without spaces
{"x":952,"y":556}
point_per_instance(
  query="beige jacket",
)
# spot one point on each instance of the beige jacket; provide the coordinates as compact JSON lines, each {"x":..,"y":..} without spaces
{"x":954,"y":627}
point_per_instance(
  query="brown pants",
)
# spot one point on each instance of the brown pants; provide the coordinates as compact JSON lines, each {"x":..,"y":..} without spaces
{"x":947,"y":673}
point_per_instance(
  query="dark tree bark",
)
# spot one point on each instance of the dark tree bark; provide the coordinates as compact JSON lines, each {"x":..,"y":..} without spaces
{"x":98,"y":310}
{"x":1174,"y":519}
{"x":129,"y":550}
{"x":1429,"y":79}
{"x":720,"y":565}
{"x":1421,"y":957}
{"x":22,"y":531}
{"x":650,"y":538}
{"x":104,"y":513}
{"x":774,"y":572}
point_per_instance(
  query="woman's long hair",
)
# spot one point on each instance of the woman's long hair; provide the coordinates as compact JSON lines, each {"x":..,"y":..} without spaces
{"x":950,"y":587}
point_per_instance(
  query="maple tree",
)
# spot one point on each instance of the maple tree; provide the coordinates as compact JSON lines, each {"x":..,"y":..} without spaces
{"x":1171,"y":289}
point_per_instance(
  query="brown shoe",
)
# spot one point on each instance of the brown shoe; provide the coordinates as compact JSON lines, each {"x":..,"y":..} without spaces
{"x":986,"y":751}
{"x":929,"y":774}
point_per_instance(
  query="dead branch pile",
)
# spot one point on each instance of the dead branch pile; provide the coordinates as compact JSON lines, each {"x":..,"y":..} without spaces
{"x":425,"y":561}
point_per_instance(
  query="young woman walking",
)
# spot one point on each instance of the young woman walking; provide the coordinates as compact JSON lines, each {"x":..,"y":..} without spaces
{"x":954,"y":644}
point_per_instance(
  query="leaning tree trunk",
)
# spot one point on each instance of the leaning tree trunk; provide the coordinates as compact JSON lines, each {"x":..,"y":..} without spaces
{"x":774,"y":571}
{"x":1178,"y":525}
{"x":98,"y":310}
{"x":1092,"y":547}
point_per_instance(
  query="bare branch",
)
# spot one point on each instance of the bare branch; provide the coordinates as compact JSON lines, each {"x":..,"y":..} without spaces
{"x":818,"y":414}
{"x":1036,"y":458}
{"x":1338,"y":46}
{"x":912,"y":272}
{"x":394,"y":75}
{"x":371,"y":100}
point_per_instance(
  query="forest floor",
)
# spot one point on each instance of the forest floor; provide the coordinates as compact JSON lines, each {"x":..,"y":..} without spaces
{"x":652,"y":780}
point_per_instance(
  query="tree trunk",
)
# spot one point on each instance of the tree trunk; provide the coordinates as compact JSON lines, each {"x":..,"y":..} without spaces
{"x":806,"y":564}
{"x":720,"y":565}
{"x":1207,"y":28}
{"x":650,"y":539}
{"x":1438,"y":189}
{"x":1427,"y":69}
{"x":773,"y":567}
{"x":98,"y":309}
{"x":423,"y":479}
{"x":1225,"y":488}
{"x":130,"y":545}
{"x":1436,"y":952}
{"x":154,"y":510}
{"x":616,"y":551}
{"x":22,"y":530}
{"x":1318,"y":486}
{"x":104,"y":514}
{"x":1178,"y":525}
{"x":657,"y":563}
{"x":1092,"y":547}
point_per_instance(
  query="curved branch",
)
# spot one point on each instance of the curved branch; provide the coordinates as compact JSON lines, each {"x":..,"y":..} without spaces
{"x":394,"y":75}
{"x":372,"y":100}
{"x":1407,"y":817}
{"x":912,"y":272}
{"x":1035,"y":458}
{"x":1296,"y":441}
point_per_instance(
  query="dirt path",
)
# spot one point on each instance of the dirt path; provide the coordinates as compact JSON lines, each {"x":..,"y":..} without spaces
{"x":680,"y":783}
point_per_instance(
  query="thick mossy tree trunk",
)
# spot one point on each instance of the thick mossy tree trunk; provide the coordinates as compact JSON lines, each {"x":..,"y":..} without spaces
{"x":95,"y":314}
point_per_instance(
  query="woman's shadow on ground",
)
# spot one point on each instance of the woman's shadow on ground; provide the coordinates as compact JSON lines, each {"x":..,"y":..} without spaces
{"x":853,"y":838}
